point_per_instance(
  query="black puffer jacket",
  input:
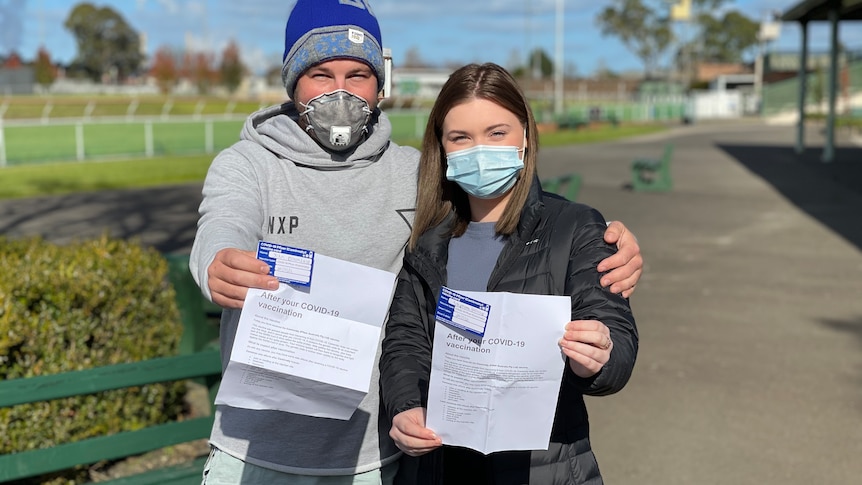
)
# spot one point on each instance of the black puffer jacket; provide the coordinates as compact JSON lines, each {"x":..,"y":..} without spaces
{"x":524,"y":266}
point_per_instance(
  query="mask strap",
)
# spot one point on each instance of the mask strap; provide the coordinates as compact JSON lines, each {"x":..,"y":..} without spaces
{"x":524,"y":149}
{"x":308,"y":108}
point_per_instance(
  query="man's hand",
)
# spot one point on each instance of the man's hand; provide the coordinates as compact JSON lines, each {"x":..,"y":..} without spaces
{"x":410,"y":434}
{"x":233,"y":272}
{"x":627,"y":263}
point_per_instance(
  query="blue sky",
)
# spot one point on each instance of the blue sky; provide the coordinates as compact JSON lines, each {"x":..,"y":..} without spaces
{"x":441,"y":31}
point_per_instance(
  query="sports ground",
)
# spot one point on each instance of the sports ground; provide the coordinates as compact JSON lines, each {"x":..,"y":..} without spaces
{"x":749,"y":310}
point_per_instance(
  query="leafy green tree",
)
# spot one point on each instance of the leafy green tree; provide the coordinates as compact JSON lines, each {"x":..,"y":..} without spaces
{"x":45,"y":71}
{"x":107,"y":44}
{"x":642,"y":26}
{"x":727,"y":38}
{"x":231,"y":68}
{"x":646,"y":29}
{"x":539,"y":65}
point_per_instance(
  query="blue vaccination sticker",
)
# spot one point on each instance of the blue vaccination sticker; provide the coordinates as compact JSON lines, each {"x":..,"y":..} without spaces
{"x":462,"y":312}
{"x":290,"y":265}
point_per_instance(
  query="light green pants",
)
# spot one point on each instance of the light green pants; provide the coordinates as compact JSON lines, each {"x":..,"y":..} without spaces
{"x":224,"y":469}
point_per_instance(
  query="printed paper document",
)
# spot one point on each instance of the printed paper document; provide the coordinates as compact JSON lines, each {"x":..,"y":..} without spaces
{"x":499,"y":391}
{"x":312,"y":350}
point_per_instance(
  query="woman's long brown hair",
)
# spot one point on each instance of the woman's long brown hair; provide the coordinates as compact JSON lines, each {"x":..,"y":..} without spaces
{"x":437,"y":196}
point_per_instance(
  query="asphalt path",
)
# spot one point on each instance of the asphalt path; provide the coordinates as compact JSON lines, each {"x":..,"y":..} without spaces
{"x":162,"y":217}
{"x":749,"y":310}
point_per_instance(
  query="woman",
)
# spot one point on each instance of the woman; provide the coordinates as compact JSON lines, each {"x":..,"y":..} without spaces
{"x":483,"y":224}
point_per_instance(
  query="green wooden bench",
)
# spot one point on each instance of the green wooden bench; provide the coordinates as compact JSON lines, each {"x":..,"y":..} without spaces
{"x":567,"y":186}
{"x":651,"y":174}
{"x":203,"y":364}
{"x":199,"y":360}
{"x":199,"y":315}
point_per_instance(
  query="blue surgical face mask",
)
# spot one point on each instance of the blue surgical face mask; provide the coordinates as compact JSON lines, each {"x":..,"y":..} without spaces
{"x":485,"y":171}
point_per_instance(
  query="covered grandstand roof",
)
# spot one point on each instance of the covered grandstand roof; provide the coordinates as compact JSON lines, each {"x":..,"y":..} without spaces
{"x":809,"y":10}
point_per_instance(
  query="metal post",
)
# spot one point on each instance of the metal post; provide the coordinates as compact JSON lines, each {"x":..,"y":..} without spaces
{"x":208,"y":136}
{"x":130,"y":111}
{"x":829,"y":145}
{"x":79,"y":141}
{"x":558,"y":63}
{"x":2,"y":146}
{"x":803,"y":86}
{"x":148,"y":138}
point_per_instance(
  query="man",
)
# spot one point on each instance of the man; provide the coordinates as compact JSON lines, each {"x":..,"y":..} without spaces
{"x":318,"y":173}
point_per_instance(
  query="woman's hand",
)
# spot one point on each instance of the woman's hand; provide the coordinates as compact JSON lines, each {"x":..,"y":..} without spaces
{"x":627,"y":263}
{"x":410,"y":434}
{"x":233,"y":272}
{"x":588,"y":345}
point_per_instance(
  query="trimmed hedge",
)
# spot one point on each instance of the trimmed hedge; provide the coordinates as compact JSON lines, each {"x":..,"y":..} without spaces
{"x":78,"y":306}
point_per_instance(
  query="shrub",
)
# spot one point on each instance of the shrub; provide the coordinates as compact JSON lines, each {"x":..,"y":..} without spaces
{"x":78,"y":306}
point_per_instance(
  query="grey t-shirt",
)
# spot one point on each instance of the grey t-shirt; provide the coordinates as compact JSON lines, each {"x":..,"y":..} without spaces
{"x":472,"y":257}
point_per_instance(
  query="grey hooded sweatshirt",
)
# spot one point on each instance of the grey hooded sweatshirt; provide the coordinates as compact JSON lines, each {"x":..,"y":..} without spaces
{"x":278,"y":185}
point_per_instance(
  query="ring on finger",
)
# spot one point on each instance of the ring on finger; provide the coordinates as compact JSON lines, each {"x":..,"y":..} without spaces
{"x":607,"y":344}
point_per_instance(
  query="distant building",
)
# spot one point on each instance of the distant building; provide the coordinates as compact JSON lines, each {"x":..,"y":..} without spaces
{"x":410,"y":84}
{"x":709,"y":71}
{"x":420,"y":83}
{"x":789,"y":61}
{"x":16,"y":78}
{"x":734,"y":82}
{"x":657,"y":88}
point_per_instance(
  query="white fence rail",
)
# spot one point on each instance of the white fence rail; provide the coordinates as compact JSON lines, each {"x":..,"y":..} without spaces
{"x":41,"y":140}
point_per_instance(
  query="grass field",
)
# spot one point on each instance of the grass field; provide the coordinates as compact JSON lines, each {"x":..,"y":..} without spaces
{"x":65,"y":177}
{"x":46,"y":129}
{"x":28,"y":144}
{"x":57,"y":145}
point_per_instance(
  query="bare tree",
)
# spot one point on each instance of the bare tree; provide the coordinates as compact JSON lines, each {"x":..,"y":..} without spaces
{"x":232,"y":69}
{"x":164,"y":69}
{"x":45,"y":71}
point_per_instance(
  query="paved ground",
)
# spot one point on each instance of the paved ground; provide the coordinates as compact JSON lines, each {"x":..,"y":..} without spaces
{"x":164,"y":217}
{"x":750,"y":308}
{"x":750,"y":311}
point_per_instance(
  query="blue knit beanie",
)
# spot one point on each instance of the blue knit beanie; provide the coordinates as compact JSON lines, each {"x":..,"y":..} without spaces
{"x":320,"y":30}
